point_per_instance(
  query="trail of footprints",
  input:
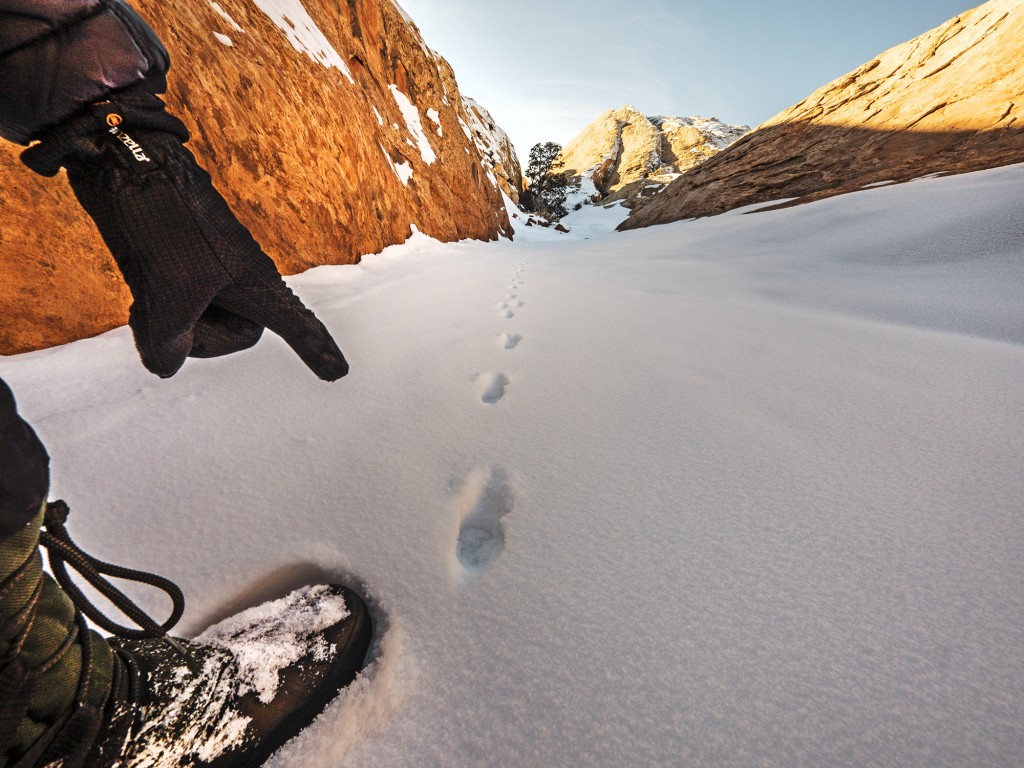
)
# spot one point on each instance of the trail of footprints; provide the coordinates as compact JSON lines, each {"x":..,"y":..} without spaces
{"x":482,"y":497}
{"x":491,"y":386}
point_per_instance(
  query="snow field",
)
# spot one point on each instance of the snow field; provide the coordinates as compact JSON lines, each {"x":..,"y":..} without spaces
{"x":739,"y":491}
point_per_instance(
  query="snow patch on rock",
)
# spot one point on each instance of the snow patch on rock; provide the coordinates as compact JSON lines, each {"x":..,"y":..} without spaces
{"x":435,"y":118}
{"x":302,"y":32}
{"x":583,"y":193}
{"x":414,"y":124}
{"x":226,"y":16}
{"x":498,"y":155}
{"x":402,"y":170}
{"x":720,"y":135}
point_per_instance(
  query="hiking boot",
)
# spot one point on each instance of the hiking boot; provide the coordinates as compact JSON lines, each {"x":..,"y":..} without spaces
{"x":227,"y":699}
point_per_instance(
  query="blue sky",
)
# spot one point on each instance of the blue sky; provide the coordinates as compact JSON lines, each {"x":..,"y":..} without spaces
{"x":546,"y":68}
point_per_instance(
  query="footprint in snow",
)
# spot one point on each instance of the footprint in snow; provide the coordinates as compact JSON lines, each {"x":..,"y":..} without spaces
{"x":479,"y":501}
{"x":505,"y":308}
{"x":490,"y":387}
{"x":509,"y":340}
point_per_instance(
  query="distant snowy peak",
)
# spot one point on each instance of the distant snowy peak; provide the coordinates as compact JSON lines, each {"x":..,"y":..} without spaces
{"x":713,"y":131}
{"x":625,"y":153}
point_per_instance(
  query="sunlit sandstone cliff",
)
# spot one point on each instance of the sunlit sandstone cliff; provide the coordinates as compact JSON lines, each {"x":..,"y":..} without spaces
{"x":949,"y":101}
{"x":330,"y":127}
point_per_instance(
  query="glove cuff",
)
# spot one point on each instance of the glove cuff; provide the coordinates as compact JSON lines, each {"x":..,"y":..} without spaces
{"x":58,"y":144}
{"x":131,"y":109}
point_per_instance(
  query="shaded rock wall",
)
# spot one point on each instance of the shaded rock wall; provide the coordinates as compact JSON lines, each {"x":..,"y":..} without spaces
{"x":329,"y":134}
{"x":948,"y":101}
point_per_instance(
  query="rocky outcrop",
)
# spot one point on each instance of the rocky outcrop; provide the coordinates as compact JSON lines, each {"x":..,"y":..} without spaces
{"x":330,"y":127}
{"x":949,"y":101}
{"x":625,"y":153}
{"x":495,"y":147}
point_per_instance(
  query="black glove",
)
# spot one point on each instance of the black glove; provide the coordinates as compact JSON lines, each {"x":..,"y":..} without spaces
{"x":202,"y":285}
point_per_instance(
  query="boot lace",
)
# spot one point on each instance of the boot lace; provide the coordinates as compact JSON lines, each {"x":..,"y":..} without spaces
{"x":78,"y":727}
{"x":64,"y":552}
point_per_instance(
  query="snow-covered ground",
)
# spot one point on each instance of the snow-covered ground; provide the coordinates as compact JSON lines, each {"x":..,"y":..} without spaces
{"x":741,"y":491}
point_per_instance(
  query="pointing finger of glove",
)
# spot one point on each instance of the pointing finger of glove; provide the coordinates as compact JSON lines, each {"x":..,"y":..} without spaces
{"x":272,"y":304}
{"x":164,"y":331}
{"x":220,"y":332}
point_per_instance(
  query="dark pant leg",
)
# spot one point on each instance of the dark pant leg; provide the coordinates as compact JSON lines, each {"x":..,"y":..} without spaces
{"x":24,"y":468}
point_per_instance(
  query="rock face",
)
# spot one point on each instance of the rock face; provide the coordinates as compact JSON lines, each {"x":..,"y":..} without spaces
{"x":330,"y":127}
{"x":495,"y":147}
{"x":625,"y":153}
{"x":949,"y":101}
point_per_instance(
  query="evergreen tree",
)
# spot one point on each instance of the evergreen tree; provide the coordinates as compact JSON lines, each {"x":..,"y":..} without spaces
{"x":547,"y":187}
{"x":543,"y":160}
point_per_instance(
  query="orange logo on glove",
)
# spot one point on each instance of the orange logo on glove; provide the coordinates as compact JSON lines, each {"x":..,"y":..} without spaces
{"x":114,"y":119}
